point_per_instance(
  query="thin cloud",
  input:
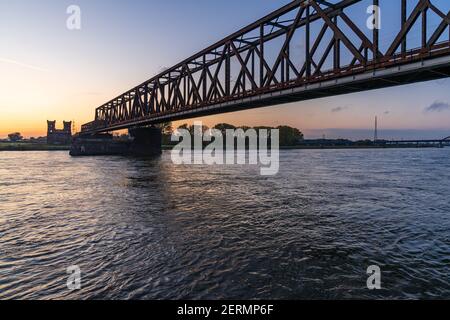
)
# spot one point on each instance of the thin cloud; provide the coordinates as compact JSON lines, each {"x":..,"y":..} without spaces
{"x":338,"y":109}
{"x":438,"y":106}
{"x":387,"y":112}
{"x":23,"y":65}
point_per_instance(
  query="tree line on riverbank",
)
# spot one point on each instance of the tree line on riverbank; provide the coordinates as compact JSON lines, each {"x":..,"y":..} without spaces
{"x":289,"y":136}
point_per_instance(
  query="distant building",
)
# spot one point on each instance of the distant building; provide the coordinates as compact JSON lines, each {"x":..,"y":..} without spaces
{"x":55,"y":136}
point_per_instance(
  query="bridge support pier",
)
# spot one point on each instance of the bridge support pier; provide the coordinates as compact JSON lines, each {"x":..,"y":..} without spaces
{"x":146,"y":141}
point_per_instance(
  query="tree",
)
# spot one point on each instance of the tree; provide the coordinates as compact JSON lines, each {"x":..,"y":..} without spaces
{"x":191,"y":128}
{"x":166,"y":128}
{"x":194,"y":130}
{"x":245,"y":128}
{"x":14,"y":137}
{"x":223,"y":127}
{"x":267,"y":129}
{"x":263,"y":128}
{"x":184,"y":126}
{"x":289,"y":136}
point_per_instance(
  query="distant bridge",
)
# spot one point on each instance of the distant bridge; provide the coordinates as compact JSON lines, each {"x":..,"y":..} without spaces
{"x":439,"y":143}
{"x":305,"y":50}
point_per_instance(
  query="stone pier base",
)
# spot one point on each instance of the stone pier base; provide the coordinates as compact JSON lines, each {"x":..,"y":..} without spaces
{"x":143,"y":142}
{"x":146,"y":141}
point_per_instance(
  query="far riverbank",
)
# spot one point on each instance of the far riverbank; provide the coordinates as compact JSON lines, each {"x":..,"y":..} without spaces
{"x":15,"y":146}
{"x":46,"y":147}
{"x":358,"y":147}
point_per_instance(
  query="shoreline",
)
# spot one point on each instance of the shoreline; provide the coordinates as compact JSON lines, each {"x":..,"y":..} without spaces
{"x":31,"y":147}
{"x":359,"y":147}
{"x":399,"y":146}
{"x":45,"y":147}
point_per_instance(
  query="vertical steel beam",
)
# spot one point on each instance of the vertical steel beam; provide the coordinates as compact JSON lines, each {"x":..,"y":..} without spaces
{"x":337,"y":49}
{"x":403,"y":22}
{"x":376,"y":33}
{"x":282,"y":66}
{"x":228,"y":70}
{"x":146,"y":106}
{"x":261,"y":58}
{"x":288,"y":55}
{"x":424,"y":27}
{"x":307,"y":41}
{"x":204,"y":78}
{"x":253,"y":64}
{"x":185,"y":91}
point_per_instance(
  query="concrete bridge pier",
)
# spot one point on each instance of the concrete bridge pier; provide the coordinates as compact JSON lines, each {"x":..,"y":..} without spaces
{"x":146,"y":141}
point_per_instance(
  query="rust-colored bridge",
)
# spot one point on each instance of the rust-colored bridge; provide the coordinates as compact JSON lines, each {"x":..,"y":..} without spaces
{"x":307,"y":49}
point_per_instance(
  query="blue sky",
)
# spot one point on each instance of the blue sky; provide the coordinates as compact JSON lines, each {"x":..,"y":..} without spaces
{"x":49,"y":72}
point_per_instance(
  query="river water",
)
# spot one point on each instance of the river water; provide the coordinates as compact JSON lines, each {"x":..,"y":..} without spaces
{"x":149,"y":229}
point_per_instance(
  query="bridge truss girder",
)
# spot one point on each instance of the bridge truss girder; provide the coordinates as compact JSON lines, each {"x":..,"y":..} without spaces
{"x":302,"y":43}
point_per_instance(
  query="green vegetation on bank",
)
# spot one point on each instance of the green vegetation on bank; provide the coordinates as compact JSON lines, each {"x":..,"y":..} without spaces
{"x":288,"y":136}
{"x":16,"y":142}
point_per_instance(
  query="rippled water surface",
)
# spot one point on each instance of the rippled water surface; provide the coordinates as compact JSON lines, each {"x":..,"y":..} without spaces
{"x":148,"y":229}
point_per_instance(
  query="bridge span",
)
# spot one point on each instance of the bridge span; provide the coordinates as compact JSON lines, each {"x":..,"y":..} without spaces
{"x":305,"y":50}
{"x":419,"y":143}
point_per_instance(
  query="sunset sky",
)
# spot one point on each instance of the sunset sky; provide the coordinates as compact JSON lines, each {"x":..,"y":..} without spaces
{"x":48,"y":72}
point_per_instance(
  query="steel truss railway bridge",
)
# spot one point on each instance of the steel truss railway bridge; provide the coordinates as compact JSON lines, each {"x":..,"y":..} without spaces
{"x":305,"y":50}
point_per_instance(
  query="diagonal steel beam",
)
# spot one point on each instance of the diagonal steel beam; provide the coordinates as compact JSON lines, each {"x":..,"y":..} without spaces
{"x":338,"y":33}
{"x":407,"y":27}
